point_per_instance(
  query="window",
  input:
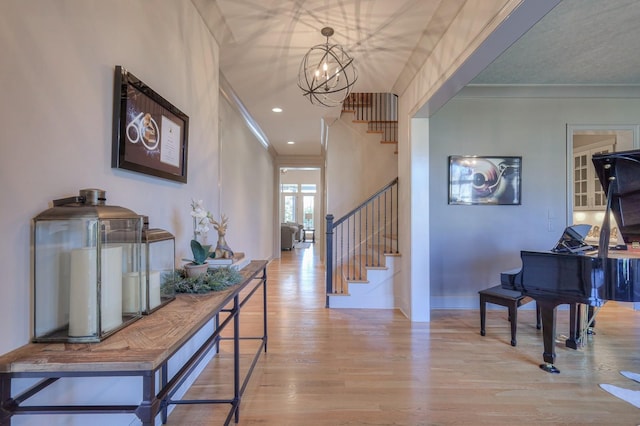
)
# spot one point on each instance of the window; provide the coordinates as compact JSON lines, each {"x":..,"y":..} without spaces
{"x":289,"y":187}
{"x":308,"y":188}
{"x":308,"y":202}
{"x":289,"y":208}
{"x":298,"y":203}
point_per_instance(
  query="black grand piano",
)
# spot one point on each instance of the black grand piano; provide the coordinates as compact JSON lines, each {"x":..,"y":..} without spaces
{"x":571,"y":273}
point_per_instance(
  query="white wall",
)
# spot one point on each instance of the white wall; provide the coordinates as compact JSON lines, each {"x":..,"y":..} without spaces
{"x":358,"y":165}
{"x":56,"y":114}
{"x":471,"y":245}
{"x":246,"y":187}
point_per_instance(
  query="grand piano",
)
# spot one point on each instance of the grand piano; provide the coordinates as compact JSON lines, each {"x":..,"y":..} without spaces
{"x":574,"y":273}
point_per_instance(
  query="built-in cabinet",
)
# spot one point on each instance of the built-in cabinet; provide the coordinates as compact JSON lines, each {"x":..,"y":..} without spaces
{"x":587,"y":191}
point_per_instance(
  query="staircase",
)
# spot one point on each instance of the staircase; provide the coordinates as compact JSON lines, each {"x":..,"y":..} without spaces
{"x":361,"y":247}
{"x":378,"y":110}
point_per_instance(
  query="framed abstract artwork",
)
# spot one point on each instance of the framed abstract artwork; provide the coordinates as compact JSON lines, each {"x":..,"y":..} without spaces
{"x":484,"y":180}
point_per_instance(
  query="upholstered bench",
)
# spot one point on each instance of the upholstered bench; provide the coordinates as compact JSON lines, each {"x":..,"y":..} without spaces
{"x":504,"y":297}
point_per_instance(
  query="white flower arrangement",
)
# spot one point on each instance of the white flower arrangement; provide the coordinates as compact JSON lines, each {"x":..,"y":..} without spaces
{"x":200,"y":219}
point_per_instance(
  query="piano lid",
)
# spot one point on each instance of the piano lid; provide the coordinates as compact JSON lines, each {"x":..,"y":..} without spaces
{"x":572,"y":240}
{"x":619,"y":172}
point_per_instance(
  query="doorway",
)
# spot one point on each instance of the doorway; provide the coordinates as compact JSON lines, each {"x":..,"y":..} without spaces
{"x":300,"y":199}
{"x":586,"y":202}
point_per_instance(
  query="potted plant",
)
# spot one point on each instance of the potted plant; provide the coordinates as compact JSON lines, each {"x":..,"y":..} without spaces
{"x":198,"y":265}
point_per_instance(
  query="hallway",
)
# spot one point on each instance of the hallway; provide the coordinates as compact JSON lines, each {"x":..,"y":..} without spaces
{"x":372,"y":367}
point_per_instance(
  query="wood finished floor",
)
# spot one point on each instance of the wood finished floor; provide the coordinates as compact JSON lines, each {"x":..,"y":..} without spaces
{"x":374,"y":367}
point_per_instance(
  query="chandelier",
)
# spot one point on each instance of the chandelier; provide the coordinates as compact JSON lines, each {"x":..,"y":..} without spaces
{"x":327,"y":73}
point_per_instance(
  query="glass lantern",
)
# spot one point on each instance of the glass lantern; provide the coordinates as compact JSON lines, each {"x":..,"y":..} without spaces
{"x":84,"y":253}
{"x":158,"y":266}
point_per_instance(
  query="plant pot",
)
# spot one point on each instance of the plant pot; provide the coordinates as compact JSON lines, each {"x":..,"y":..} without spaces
{"x":192,"y":270}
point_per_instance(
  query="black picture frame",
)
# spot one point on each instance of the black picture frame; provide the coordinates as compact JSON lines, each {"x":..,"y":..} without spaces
{"x":150,"y":135}
{"x":478,"y":180}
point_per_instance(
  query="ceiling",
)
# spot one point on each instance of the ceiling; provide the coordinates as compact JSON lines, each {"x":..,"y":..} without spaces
{"x":262,"y":43}
{"x":580,"y":42}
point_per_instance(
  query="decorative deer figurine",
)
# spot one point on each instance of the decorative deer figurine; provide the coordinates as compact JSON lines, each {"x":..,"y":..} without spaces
{"x":223,"y":251}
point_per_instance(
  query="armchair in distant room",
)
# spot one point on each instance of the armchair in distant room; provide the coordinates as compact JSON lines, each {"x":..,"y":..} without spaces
{"x":290,"y":232}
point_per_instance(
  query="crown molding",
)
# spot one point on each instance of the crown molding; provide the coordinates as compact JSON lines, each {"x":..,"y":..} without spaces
{"x":549,"y":91}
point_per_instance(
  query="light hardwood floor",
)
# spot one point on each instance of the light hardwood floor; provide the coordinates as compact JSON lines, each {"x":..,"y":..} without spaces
{"x":372,"y":367}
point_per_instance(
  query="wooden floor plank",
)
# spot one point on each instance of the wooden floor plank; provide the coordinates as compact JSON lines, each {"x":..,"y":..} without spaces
{"x":374,"y":367}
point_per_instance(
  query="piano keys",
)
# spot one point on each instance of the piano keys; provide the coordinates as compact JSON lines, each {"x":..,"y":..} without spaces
{"x":571,"y":273}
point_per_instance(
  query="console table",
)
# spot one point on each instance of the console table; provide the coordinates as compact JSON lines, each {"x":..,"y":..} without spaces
{"x":141,"y":349}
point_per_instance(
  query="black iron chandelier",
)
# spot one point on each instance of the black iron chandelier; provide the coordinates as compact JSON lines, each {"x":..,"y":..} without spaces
{"x":327,"y":73}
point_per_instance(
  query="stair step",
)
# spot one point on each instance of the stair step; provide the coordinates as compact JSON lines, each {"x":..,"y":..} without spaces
{"x":389,"y":142}
{"x":373,"y":121}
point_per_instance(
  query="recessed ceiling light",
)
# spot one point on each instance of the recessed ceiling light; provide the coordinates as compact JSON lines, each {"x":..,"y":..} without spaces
{"x":291,"y":142}
{"x":276,"y":109}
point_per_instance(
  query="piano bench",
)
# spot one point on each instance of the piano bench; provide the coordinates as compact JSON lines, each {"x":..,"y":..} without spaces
{"x":504,"y":297}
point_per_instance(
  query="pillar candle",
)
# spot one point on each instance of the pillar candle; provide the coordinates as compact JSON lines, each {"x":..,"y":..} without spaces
{"x":154,"y":289}
{"x":132,"y":290}
{"x":83,"y":315}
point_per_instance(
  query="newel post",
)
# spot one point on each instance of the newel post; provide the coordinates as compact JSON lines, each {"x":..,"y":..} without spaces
{"x":329,"y":258}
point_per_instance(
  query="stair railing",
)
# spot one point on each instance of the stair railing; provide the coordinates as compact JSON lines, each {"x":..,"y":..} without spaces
{"x":379,"y":110}
{"x":361,"y":238}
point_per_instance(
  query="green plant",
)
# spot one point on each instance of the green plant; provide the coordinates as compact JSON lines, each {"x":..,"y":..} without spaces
{"x":214,"y":280}
{"x":200,"y":252}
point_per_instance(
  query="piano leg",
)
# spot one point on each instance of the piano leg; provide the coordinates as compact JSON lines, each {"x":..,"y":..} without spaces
{"x":575,"y":325}
{"x":548,"y":314}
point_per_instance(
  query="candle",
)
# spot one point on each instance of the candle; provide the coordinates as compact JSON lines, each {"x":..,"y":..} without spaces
{"x":83,"y":316}
{"x":154,"y":289}
{"x":131,"y":291}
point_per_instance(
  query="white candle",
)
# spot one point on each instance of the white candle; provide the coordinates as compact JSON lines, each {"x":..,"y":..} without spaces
{"x":83,"y":319}
{"x":111,"y":300}
{"x":154,"y":289}
{"x":131,"y":291}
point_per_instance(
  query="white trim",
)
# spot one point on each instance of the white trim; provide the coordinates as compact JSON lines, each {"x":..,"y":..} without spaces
{"x":230,"y":95}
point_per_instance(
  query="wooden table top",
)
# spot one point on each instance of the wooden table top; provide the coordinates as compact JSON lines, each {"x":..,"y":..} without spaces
{"x":141,"y":346}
